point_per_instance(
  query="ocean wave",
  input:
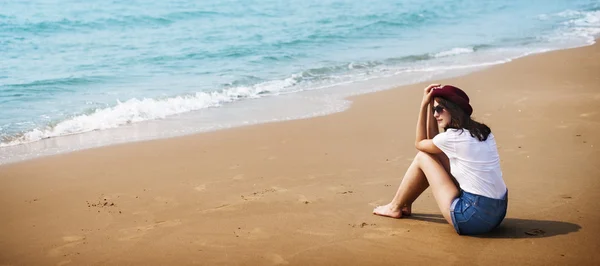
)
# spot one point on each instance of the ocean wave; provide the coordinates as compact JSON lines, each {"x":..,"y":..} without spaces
{"x":183,"y":15}
{"x":333,"y":72}
{"x":342,"y":27}
{"x":584,"y":19}
{"x":402,"y":20}
{"x":246,"y":87}
{"x":445,"y":53}
{"x":409,"y":58}
{"x":57,"y":82}
{"x":10,"y":24}
{"x":137,"y":110}
{"x":309,"y":39}
{"x":454,"y":51}
{"x":381,"y":24}
{"x":68,"y":25}
{"x":576,"y":24}
{"x":225,"y":52}
{"x":243,"y":56}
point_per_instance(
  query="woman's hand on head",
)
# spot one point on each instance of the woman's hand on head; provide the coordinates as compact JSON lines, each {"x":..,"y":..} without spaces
{"x":427,"y":93}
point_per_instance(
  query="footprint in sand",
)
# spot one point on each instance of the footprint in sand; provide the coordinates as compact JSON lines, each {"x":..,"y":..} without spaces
{"x":384,"y":233}
{"x":259,"y":194}
{"x":342,"y":189}
{"x":303,"y":199}
{"x":535,"y":232}
{"x":200,"y":187}
{"x":72,"y":238}
{"x":314,"y":233}
{"x":223,"y":207}
{"x":521,"y":100}
{"x":213,"y":245}
{"x":64,"y":262}
{"x":258,"y":233}
{"x":376,"y":203}
{"x":166,"y":200}
{"x":587,"y":114}
{"x":276,"y":259}
{"x":71,"y":241}
{"x":139,"y":231}
{"x":279,"y":189}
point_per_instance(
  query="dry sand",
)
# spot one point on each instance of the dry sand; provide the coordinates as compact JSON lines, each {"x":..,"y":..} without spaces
{"x":301,"y":192}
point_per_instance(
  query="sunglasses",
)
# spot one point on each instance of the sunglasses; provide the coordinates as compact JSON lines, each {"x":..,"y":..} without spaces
{"x":439,"y":109}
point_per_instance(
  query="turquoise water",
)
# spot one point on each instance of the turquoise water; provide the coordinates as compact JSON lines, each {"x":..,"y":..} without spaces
{"x":69,"y":67}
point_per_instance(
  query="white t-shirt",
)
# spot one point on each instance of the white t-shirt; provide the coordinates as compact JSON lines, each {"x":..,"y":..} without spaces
{"x":475,"y":164}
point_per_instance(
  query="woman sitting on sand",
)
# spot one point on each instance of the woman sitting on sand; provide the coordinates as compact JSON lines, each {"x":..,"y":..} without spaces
{"x":461,"y":165}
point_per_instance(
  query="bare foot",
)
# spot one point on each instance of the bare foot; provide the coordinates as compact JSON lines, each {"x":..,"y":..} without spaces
{"x":388,"y":211}
{"x":406,"y":210}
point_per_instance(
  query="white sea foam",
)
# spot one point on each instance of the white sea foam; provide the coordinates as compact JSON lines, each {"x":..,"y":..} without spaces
{"x":569,"y":13}
{"x":137,"y":110}
{"x":580,"y":25}
{"x":577,"y":24}
{"x":454,"y":51}
{"x":586,"y":24}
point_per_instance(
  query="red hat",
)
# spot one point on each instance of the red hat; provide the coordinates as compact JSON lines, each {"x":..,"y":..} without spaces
{"x":455,"y":95}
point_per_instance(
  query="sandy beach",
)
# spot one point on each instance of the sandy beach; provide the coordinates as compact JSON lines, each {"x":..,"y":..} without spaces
{"x":301,"y":192}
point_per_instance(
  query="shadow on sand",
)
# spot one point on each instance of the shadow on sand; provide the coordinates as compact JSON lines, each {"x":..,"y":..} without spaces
{"x":513,"y":227}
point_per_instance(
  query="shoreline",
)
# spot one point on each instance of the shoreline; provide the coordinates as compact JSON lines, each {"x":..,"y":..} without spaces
{"x":301,"y":192}
{"x":137,"y":132}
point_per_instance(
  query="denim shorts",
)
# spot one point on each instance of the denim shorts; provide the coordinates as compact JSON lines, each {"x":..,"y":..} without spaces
{"x":473,"y":214}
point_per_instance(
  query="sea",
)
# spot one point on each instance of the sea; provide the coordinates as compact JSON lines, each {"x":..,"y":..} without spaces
{"x":81,"y":74}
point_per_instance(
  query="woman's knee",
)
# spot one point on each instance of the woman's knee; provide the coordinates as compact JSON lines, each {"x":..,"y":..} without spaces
{"x":421,"y":156}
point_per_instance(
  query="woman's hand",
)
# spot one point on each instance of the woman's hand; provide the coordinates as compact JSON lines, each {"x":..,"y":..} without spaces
{"x":422,"y":142}
{"x":427,"y":94}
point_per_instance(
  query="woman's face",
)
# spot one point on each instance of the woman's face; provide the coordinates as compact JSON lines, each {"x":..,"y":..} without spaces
{"x":441,"y":114}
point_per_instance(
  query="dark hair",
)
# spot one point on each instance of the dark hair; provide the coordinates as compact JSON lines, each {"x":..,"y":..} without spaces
{"x":460,"y":120}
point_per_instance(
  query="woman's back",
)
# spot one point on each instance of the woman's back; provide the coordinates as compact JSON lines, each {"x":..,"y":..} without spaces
{"x":474,"y":164}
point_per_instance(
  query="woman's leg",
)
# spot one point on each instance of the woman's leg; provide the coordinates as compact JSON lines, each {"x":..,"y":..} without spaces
{"x":412,"y":186}
{"x":407,"y":207}
{"x":425,"y":170}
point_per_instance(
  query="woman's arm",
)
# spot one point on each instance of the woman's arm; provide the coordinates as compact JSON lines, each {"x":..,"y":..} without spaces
{"x":422,"y":143}
{"x":432,"y":127}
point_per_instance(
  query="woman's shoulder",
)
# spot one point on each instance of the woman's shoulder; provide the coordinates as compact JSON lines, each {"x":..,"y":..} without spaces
{"x":463,"y":133}
{"x":456,"y":131}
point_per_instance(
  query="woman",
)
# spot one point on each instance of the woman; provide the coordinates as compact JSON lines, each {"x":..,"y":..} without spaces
{"x":461,"y":165}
